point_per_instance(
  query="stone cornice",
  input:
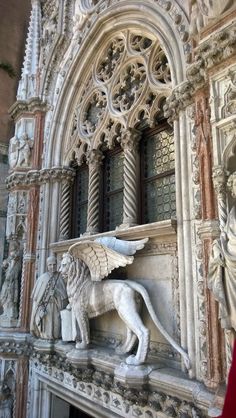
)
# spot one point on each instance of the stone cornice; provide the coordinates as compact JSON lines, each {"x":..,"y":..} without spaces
{"x":32,"y":105}
{"x":209,"y":229}
{"x":211,"y":53}
{"x":37,"y":177}
{"x":104,"y":383}
{"x":163,"y":231}
{"x":15,"y":344}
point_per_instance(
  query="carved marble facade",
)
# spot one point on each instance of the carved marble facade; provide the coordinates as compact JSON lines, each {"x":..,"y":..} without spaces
{"x":99,"y":79}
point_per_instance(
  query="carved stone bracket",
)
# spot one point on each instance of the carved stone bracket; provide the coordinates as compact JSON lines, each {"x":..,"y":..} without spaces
{"x":32,"y":105}
{"x":180,"y":98}
{"x":37,"y":177}
{"x":215,"y":50}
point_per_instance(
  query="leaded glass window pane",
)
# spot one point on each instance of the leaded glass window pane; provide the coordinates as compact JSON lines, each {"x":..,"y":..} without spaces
{"x":80,"y":204}
{"x":157,"y":173}
{"x":113,"y":189}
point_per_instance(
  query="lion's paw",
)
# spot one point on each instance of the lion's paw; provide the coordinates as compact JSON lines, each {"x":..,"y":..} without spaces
{"x":133,"y":361}
{"x":81,"y":345}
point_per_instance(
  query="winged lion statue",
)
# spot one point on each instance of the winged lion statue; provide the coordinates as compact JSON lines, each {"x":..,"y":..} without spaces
{"x":84,"y":267}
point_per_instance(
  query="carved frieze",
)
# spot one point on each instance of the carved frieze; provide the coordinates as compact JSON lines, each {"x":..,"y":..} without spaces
{"x":103,"y":389}
{"x":37,"y":177}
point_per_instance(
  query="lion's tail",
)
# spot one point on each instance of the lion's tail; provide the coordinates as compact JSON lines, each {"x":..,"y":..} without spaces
{"x":141,"y":290}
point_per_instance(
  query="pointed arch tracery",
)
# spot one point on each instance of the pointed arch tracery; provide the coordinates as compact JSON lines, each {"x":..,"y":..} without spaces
{"x":127,"y":82}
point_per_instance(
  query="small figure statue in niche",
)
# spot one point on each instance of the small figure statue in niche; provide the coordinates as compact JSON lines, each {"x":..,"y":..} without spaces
{"x":49,"y":298}
{"x":84,"y":266}
{"x":9,"y":295}
{"x":222,"y":266}
{"x":13,"y":151}
{"x":6,"y":401}
{"x":20,"y":151}
{"x":25,"y":146}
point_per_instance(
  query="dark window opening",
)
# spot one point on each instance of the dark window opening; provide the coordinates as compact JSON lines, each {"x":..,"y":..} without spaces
{"x":80,"y":201}
{"x":112,"y":205}
{"x":157,"y":157}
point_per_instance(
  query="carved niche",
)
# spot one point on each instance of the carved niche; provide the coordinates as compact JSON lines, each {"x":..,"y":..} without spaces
{"x":16,"y":215}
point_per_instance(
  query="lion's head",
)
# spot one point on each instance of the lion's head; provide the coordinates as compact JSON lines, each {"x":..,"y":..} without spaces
{"x":67,"y":262}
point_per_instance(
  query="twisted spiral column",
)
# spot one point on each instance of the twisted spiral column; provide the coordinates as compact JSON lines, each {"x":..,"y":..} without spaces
{"x":66,"y":190}
{"x":94,"y":160}
{"x":129,"y":143}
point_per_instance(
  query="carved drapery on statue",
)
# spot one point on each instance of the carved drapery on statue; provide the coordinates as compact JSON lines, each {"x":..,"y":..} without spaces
{"x":9,"y":294}
{"x":49,"y":298}
{"x":84,"y":267}
{"x":222,"y":266}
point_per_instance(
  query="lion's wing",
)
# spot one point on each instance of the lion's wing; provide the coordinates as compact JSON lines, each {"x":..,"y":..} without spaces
{"x":99,"y":259}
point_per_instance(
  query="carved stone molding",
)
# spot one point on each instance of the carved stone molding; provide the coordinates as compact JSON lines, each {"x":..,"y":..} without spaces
{"x":180,"y":98}
{"x":37,"y":177}
{"x":217,"y":49}
{"x":104,"y":389}
{"x":32,"y":105}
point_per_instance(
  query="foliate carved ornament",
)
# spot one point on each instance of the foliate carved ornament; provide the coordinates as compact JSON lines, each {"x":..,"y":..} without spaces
{"x":180,"y":98}
{"x":215,"y":50}
{"x":102,"y":388}
{"x":87,"y":12}
{"x":130,"y":140}
{"x":37,"y":177}
{"x":32,"y":105}
{"x":219,"y":176}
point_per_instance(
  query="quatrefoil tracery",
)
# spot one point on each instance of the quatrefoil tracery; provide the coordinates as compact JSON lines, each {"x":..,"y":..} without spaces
{"x":125,"y":85}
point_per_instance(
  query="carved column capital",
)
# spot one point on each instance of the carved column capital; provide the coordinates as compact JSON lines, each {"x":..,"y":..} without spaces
{"x":130,"y":139}
{"x":219,"y":177}
{"x":94,"y":158}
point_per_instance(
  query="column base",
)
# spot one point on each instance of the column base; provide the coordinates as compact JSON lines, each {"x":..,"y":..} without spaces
{"x":126,"y":225}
